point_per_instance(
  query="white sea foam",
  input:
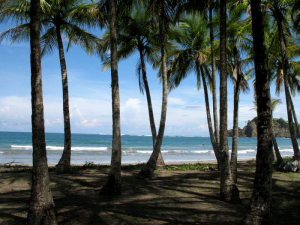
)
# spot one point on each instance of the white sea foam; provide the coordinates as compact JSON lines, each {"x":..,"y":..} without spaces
{"x":203,"y":152}
{"x":1,"y":152}
{"x":286,"y":150}
{"x":60,"y":148}
{"x":246,"y":151}
{"x":23,"y":147}
{"x":144,"y":152}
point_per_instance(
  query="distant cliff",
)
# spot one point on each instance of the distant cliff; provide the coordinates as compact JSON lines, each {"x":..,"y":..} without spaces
{"x":281,"y":129}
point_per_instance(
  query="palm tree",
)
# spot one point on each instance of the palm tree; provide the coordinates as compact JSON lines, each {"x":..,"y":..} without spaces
{"x":237,"y":30}
{"x":192,"y":56}
{"x":41,"y":206}
{"x":278,"y":10}
{"x":161,"y":10}
{"x":228,"y":189}
{"x":259,"y":211}
{"x":58,"y":18}
{"x":136,"y":33}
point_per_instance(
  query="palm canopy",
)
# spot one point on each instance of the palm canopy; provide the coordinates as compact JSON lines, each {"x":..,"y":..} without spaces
{"x":70,"y":16}
{"x":193,"y":50}
{"x":135,"y":33}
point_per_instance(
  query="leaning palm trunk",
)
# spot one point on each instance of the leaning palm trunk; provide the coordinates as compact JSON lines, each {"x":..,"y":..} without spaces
{"x":65,"y":162}
{"x":228,"y":190}
{"x":113,"y":182}
{"x":149,"y":168}
{"x":277,"y":152}
{"x":160,"y":162}
{"x":211,"y":133}
{"x":284,"y":60}
{"x":259,"y":210}
{"x":41,"y":206}
{"x":213,"y":72}
{"x":295,"y":117}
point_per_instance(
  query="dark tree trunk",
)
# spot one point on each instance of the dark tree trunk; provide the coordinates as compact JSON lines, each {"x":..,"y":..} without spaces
{"x":295,"y":117}
{"x":228,"y":190}
{"x":209,"y":124}
{"x":41,"y":206}
{"x":213,"y":72}
{"x":259,"y":210}
{"x":285,"y":62}
{"x":237,"y":76}
{"x":148,"y":170}
{"x":64,"y":163}
{"x":160,"y":162}
{"x":113,"y":182}
{"x":274,"y":142}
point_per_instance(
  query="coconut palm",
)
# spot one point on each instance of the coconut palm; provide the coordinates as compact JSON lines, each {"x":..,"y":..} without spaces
{"x":259,"y":211}
{"x":137,"y":33}
{"x":59,"y":18}
{"x":237,"y":31}
{"x":228,"y":189}
{"x":192,"y":56}
{"x":161,"y":11}
{"x":41,"y":206}
{"x":279,"y":10}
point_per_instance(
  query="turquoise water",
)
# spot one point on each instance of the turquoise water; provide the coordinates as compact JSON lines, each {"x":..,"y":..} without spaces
{"x":17,"y":146}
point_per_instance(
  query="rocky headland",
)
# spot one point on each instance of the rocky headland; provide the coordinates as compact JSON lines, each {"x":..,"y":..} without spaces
{"x":281,"y":129}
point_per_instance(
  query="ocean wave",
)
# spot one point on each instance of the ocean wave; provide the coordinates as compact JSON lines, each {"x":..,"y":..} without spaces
{"x":203,"y":152}
{"x":1,"y":152}
{"x":286,"y":150}
{"x":144,"y":152}
{"x":59,"y":148}
{"x":246,"y":151}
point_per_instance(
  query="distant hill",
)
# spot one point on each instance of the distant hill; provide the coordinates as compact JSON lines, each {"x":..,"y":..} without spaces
{"x":281,"y":129}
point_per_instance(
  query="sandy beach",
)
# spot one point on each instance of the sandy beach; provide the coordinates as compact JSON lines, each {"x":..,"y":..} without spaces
{"x":173,"y":196}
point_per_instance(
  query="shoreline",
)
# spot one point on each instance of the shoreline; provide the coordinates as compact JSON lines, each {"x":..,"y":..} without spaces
{"x":213,"y":161}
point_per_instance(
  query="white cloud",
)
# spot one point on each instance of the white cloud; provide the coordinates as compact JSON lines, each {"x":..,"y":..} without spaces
{"x":5,"y":109}
{"x":132,"y":105}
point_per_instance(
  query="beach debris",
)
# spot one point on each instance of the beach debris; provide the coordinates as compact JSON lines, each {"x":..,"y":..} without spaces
{"x":289,"y":166}
{"x":7,"y":165}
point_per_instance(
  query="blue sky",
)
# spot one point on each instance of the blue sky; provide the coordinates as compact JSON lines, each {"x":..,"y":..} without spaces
{"x":90,"y":96}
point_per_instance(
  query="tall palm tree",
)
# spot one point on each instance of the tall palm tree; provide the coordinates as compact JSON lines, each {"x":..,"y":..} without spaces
{"x":113,"y":183}
{"x":228,"y":189}
{"x":259,"y":210}
{"x":137,"y":33}
{"x":237,"y":30}
{"x":161,"y":11}
{"x":41,"y":206}
{"x":278,"y":10}
{"x":58,"y":18}
{"x":192,"y":56}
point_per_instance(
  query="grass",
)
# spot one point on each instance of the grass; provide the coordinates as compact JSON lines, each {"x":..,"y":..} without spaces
{"x":192,"y":167}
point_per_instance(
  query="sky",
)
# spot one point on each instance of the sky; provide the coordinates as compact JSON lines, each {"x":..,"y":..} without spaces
{"x":90,"y":96}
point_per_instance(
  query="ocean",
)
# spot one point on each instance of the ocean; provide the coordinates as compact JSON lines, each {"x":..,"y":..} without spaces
{"x":96,"y":148}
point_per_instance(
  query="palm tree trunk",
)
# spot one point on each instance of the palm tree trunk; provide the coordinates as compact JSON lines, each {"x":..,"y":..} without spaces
{"x":284,"y":60}
{"x":259,"y":210}
{"x":41,"y":206}
{"x":295,"y":117}
{"x":211,"y":133}
{"x":214,"y":91}
{"x":233,"y":161}
{"x":148,"y":170}
{"x":277,"y":152}
{"x":65,"y":161}
{"x":113,"y":182}
{"x":228,"y":190}
{"x":160,"y":162}
{"x":237,"y":75}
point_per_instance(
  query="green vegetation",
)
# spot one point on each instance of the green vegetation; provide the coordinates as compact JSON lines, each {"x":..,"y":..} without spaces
{"x":197,"y":166}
